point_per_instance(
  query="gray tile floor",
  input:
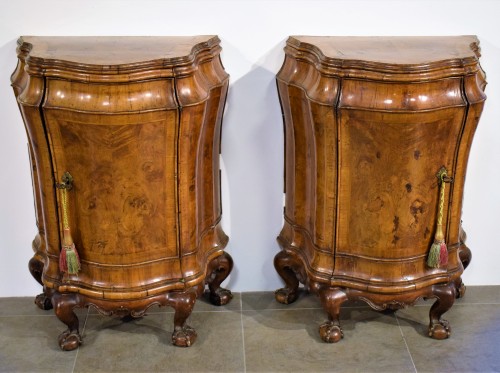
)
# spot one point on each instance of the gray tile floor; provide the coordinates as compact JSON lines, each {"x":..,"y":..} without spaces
{"x":255,"y":334}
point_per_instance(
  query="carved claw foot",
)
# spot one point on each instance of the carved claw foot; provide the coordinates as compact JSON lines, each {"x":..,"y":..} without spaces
{"x":330,"y":332}
{"x":445,"y":294}
{"x":219,"y":268}
{"x":220,"y":297}
{"x":460,"y":290}
{"x":43,"y":302}
{"x":63,"y":308}
{"x":287,"y":266}
{"x":286,"y":295}
{"x":440,"y":330}
{"x":465,"y":255}
{"x":464,"y":252}
{"x":35,"y":265}
{"x":69,"y":340}
{"x":183,"y":303}
{"x":331,"y":299}
{"x":184,"y":337}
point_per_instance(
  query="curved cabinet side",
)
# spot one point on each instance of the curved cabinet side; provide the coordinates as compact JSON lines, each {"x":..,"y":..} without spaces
{"x":202,"y":237}
{"x":19,"y":81}
{"x":307,"y":100}
{"x":473,"y":93}
{"x":29,"y":97}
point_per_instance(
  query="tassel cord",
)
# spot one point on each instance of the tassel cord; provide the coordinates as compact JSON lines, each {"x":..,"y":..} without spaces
{"x":441,"y":206}
{"x":69,"y":260}
{"x":438,"y":253}
{"x":64,"y":198}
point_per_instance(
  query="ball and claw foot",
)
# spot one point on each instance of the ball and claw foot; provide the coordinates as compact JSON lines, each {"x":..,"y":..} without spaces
{"x":286,"y":295}
{"x":330,"y":332}
{"x":461,"y":290}
{"x":69,"y":340}
{"x":440,"y":330}
{"x":184,"y":337}
{"x":43,"y":302}
{"x":221,"y":297}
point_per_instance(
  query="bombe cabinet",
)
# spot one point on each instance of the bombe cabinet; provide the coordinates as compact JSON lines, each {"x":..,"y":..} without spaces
{"x":136,"y":123}
{"x":370,"y":123}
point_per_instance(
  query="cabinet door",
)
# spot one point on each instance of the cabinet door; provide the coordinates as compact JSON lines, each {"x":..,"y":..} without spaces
{"x":119,"y":142}
{"x":393,"y":140}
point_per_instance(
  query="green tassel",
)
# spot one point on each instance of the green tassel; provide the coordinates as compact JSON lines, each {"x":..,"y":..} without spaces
{"x":434,"y":255}
{"x":72,"y":260}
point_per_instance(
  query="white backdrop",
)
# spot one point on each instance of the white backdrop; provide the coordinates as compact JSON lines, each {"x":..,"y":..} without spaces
{"x":253,"y":35}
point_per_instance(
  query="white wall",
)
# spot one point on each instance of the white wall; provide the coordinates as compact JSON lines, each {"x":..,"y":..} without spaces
{"x":253,"y":35}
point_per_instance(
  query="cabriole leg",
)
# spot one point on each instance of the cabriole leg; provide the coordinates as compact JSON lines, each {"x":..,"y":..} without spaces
{"x":63,"y":308}
{"x":445,"y":294}
{"x":287,"y":267}
{"x":183,"y":303}
{"x":332,"y":299}
{"x":460,"y":287}
{"x":465,"y":256}
{"x":218,"y":270}
{"x":35,"y":266}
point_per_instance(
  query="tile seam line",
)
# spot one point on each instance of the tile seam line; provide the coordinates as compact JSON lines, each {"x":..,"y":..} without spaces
{"x":170,"y":312}
{"x":243,"y":336}
{"x":406,"y":344}
{"x":299,"y":309}
{"x":7,"y":316}
{"x":221,"y":311}
{"x":83,"y":333}
{"x":463,"y":304}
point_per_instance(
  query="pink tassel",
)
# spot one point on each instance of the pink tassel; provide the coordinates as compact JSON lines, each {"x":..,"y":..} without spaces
{"x":443,"y":255}
{"x":63,"y":264}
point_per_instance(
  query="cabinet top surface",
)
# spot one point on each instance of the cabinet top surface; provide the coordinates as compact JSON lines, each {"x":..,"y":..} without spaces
{"x":394,"y":50}
{"x":115,"y":50}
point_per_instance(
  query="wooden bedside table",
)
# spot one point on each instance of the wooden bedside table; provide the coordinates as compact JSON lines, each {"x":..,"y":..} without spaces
{"x":124,"y":139}
{"x":377,"y":136}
